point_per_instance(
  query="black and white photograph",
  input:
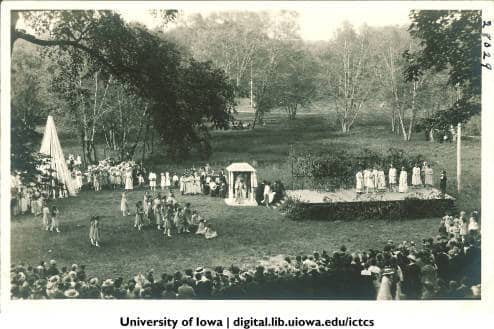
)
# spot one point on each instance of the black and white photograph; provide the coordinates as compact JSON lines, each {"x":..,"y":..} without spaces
{"x":246,"y":152}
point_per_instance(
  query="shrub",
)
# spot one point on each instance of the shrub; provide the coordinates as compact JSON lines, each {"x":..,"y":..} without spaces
{"x":293,"y":209}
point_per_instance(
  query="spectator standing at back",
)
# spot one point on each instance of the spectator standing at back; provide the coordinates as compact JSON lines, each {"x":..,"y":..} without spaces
{"x":442,"y":183}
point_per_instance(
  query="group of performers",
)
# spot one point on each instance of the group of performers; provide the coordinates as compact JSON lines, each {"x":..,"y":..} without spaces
{"x":165,"y":213}
{"x":374,"y":180}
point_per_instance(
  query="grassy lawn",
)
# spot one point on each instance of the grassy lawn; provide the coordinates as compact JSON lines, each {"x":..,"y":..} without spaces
{"x":246,"y":235}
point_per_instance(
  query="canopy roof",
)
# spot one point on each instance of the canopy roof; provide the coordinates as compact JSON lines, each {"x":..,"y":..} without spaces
{"x":240,"y":166}
{"x":50,"y":146}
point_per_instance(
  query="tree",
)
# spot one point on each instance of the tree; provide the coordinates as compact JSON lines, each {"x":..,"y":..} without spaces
{"x":229,"y":39}
{"x":134,"y":56}
{"x":295,"y":84}
{"x":30,"y":104}
{"x":348,"y":71}
{"x":451,"y":42}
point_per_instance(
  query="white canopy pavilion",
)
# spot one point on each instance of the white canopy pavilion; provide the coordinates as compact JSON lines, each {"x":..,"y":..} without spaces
{"x":50,"y":146}
{"x":247,"y":174}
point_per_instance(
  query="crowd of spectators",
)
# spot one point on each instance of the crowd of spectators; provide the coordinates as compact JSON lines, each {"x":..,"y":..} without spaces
{"x":444,"y":267}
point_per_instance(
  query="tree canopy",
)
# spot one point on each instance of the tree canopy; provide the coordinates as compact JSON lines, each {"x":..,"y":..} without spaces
{"x":152,"y":67}
{"x":450,"y":41}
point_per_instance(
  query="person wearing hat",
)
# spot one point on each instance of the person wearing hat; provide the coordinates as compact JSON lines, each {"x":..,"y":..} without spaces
{"x":71,"y":293}
{"x":52,"y":269}
{"x":107,"y":289}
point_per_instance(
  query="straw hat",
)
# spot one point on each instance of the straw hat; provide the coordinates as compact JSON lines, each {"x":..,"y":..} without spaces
{"x":71,"y":293}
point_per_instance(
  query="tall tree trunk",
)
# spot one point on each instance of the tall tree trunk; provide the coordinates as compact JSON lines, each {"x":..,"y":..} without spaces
{"x":414,"y":110}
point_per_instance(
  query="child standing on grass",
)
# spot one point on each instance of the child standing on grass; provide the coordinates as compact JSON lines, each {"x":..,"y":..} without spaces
{"x":167,"y":220}
{"x":46,"y":216}
{"x":178,"y":219}
{"x":139,"y":216}
{"x":124,"y":207}
{"x":54,"y":219}
{"x":94,"y":235}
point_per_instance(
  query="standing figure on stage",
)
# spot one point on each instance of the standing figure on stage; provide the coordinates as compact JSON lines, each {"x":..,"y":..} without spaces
{"x":94,"y":236}
{"x":371,"y":182}
{"x":366,"y":174}
{"x":381,"y":180}
{"x":129,"y":183}
{"x":152,"y":181}
{"x":392,"y":175}
{"x":429,"y":177}
{"x":416,"y":179}
{"x":403,"y":187}
{"x":442,"y":183}
{"x":359,"y":178}
{"x":124,"y":206}
{"x":423,"y":170}
{"x":54,"y":219}
{"x":375,"y":175}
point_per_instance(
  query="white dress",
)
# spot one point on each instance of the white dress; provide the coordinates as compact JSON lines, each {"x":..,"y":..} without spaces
{"x":403,"y":187}
{"x":129,"y":184}
{"x":381,"y":181}
{"x":416,"y":179}
{"x":392,"y":175}
{"x":152,"y":179}
{"x":371,"y":180}
{"x":429,"y":176}
{"x":360,"y":182}
{"x":384,"y":292}
{"x":366,"y":178}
